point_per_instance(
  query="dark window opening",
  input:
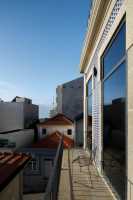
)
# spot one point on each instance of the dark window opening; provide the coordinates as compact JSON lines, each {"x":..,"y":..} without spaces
{"x":69,"y":131}
{"x":44,"y":131}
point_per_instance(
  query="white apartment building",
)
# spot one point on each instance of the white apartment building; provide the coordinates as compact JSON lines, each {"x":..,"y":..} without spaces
{"x":107,"y":64}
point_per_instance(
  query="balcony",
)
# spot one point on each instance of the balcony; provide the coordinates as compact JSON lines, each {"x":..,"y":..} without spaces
{"x":74,"y":177}
{"x":80,"y":179}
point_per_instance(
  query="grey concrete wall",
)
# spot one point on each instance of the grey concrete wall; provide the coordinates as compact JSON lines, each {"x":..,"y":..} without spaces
{"x":31,"y":114}
{"x":70,"y":98}
{"x":59,"y":95}
{"x":79,"y":132}
{"x":11,"y":116}
{"x":14,"y":116}
{"x":22,"y":138}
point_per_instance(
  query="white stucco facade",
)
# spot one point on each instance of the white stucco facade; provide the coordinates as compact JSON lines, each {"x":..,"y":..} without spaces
{"x":53,"y":128}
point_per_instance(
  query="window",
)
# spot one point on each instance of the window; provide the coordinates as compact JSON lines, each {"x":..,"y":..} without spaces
{"x":44,"y":131}
{"x":69,"y":132}
{"x":90,"y":97}
{"x":34,"y":165}
{"x":115,"y":51}
{"x":114,"y":109}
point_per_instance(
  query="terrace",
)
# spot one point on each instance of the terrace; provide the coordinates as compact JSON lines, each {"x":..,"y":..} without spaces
{"x":74,"y":177}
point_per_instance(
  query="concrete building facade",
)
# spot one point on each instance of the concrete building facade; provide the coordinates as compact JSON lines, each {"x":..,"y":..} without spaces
{"x":17,"y":139}
{"x":106,"y":61}
{"x":69,"y":98}
{"x":18,"y":114}
{"x":37,"y":172}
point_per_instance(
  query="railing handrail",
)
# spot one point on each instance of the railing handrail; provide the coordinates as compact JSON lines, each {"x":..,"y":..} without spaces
{"x":49,"y":187}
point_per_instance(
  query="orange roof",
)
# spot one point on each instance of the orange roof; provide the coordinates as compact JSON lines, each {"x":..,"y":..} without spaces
{"x":59,"y":119}
{"x":10,"y":165}
{"x":52,"y":141}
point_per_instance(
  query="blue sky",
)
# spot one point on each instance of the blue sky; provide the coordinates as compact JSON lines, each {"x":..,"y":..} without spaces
{"x":40,"y":46}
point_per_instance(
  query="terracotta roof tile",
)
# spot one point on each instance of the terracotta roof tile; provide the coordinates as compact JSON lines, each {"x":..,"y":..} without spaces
{"x":52,"y":141}
{"x":10,"y":165}
{"x":59,"y":119}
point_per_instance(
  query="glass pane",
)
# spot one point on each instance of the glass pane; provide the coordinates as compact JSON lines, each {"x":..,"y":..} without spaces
{"x":115,"y":52}
{"x":90,"y":105}
{"x":114,"y":129}
{"x":89,"y":86}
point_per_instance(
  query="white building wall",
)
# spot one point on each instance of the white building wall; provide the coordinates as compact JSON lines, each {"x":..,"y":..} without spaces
{"x":17,"y":116}
{"x":62,"y":129}
{"x":129,"y":47}
{"x":111,"y":21}
{"x":22,"y":138}
{"x":11,"y":116}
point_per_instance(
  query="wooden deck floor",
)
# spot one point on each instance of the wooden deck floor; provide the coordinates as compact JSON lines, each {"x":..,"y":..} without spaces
{"x":84,"y":184}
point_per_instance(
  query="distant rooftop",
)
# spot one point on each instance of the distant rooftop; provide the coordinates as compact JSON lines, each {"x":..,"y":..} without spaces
{"x":18,"y":99}
{"x":59,"y":119}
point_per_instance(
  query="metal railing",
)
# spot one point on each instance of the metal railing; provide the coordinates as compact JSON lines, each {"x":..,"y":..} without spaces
{"x":51,"y":192}
{"x":130,"y":184}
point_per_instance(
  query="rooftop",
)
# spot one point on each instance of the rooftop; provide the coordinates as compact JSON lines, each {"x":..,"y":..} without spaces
{"x":52,"y":141}
{"x":10,"y":165}
{"x":58,"y":119}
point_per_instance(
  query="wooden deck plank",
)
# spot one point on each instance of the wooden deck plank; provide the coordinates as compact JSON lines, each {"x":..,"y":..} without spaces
{"x":86,"y":184}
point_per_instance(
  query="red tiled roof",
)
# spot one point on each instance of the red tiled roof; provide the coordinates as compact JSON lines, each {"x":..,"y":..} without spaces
{"x":10,"y":165}
{"x":52,"y":141}
{"x":59,"y":119}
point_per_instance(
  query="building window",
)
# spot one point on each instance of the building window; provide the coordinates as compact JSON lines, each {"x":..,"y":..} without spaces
{"x":69,"y":132}
{"x":90,"y":96}
{"x":114,"y":111}
{"x":34,"y":165}
{"x":44,"y":131}
{"x":89,"y":119}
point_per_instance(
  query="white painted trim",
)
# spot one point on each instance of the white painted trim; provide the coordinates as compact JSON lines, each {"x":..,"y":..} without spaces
{"x":88,"y":76}
{"x":110,"y":35}
{"x":109,"y":11}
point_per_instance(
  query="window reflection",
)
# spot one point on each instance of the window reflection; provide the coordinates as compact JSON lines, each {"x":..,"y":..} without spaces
{"x":115,"y":52}
{"x":114,"y":109}
{"x":90,"y":97}
{"x":89,"y":133}
{"x":114,"y":93}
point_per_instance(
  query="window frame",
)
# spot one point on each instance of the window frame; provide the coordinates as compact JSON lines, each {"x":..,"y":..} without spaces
{"x":30,"y":169}
{"x":116,"y":66}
